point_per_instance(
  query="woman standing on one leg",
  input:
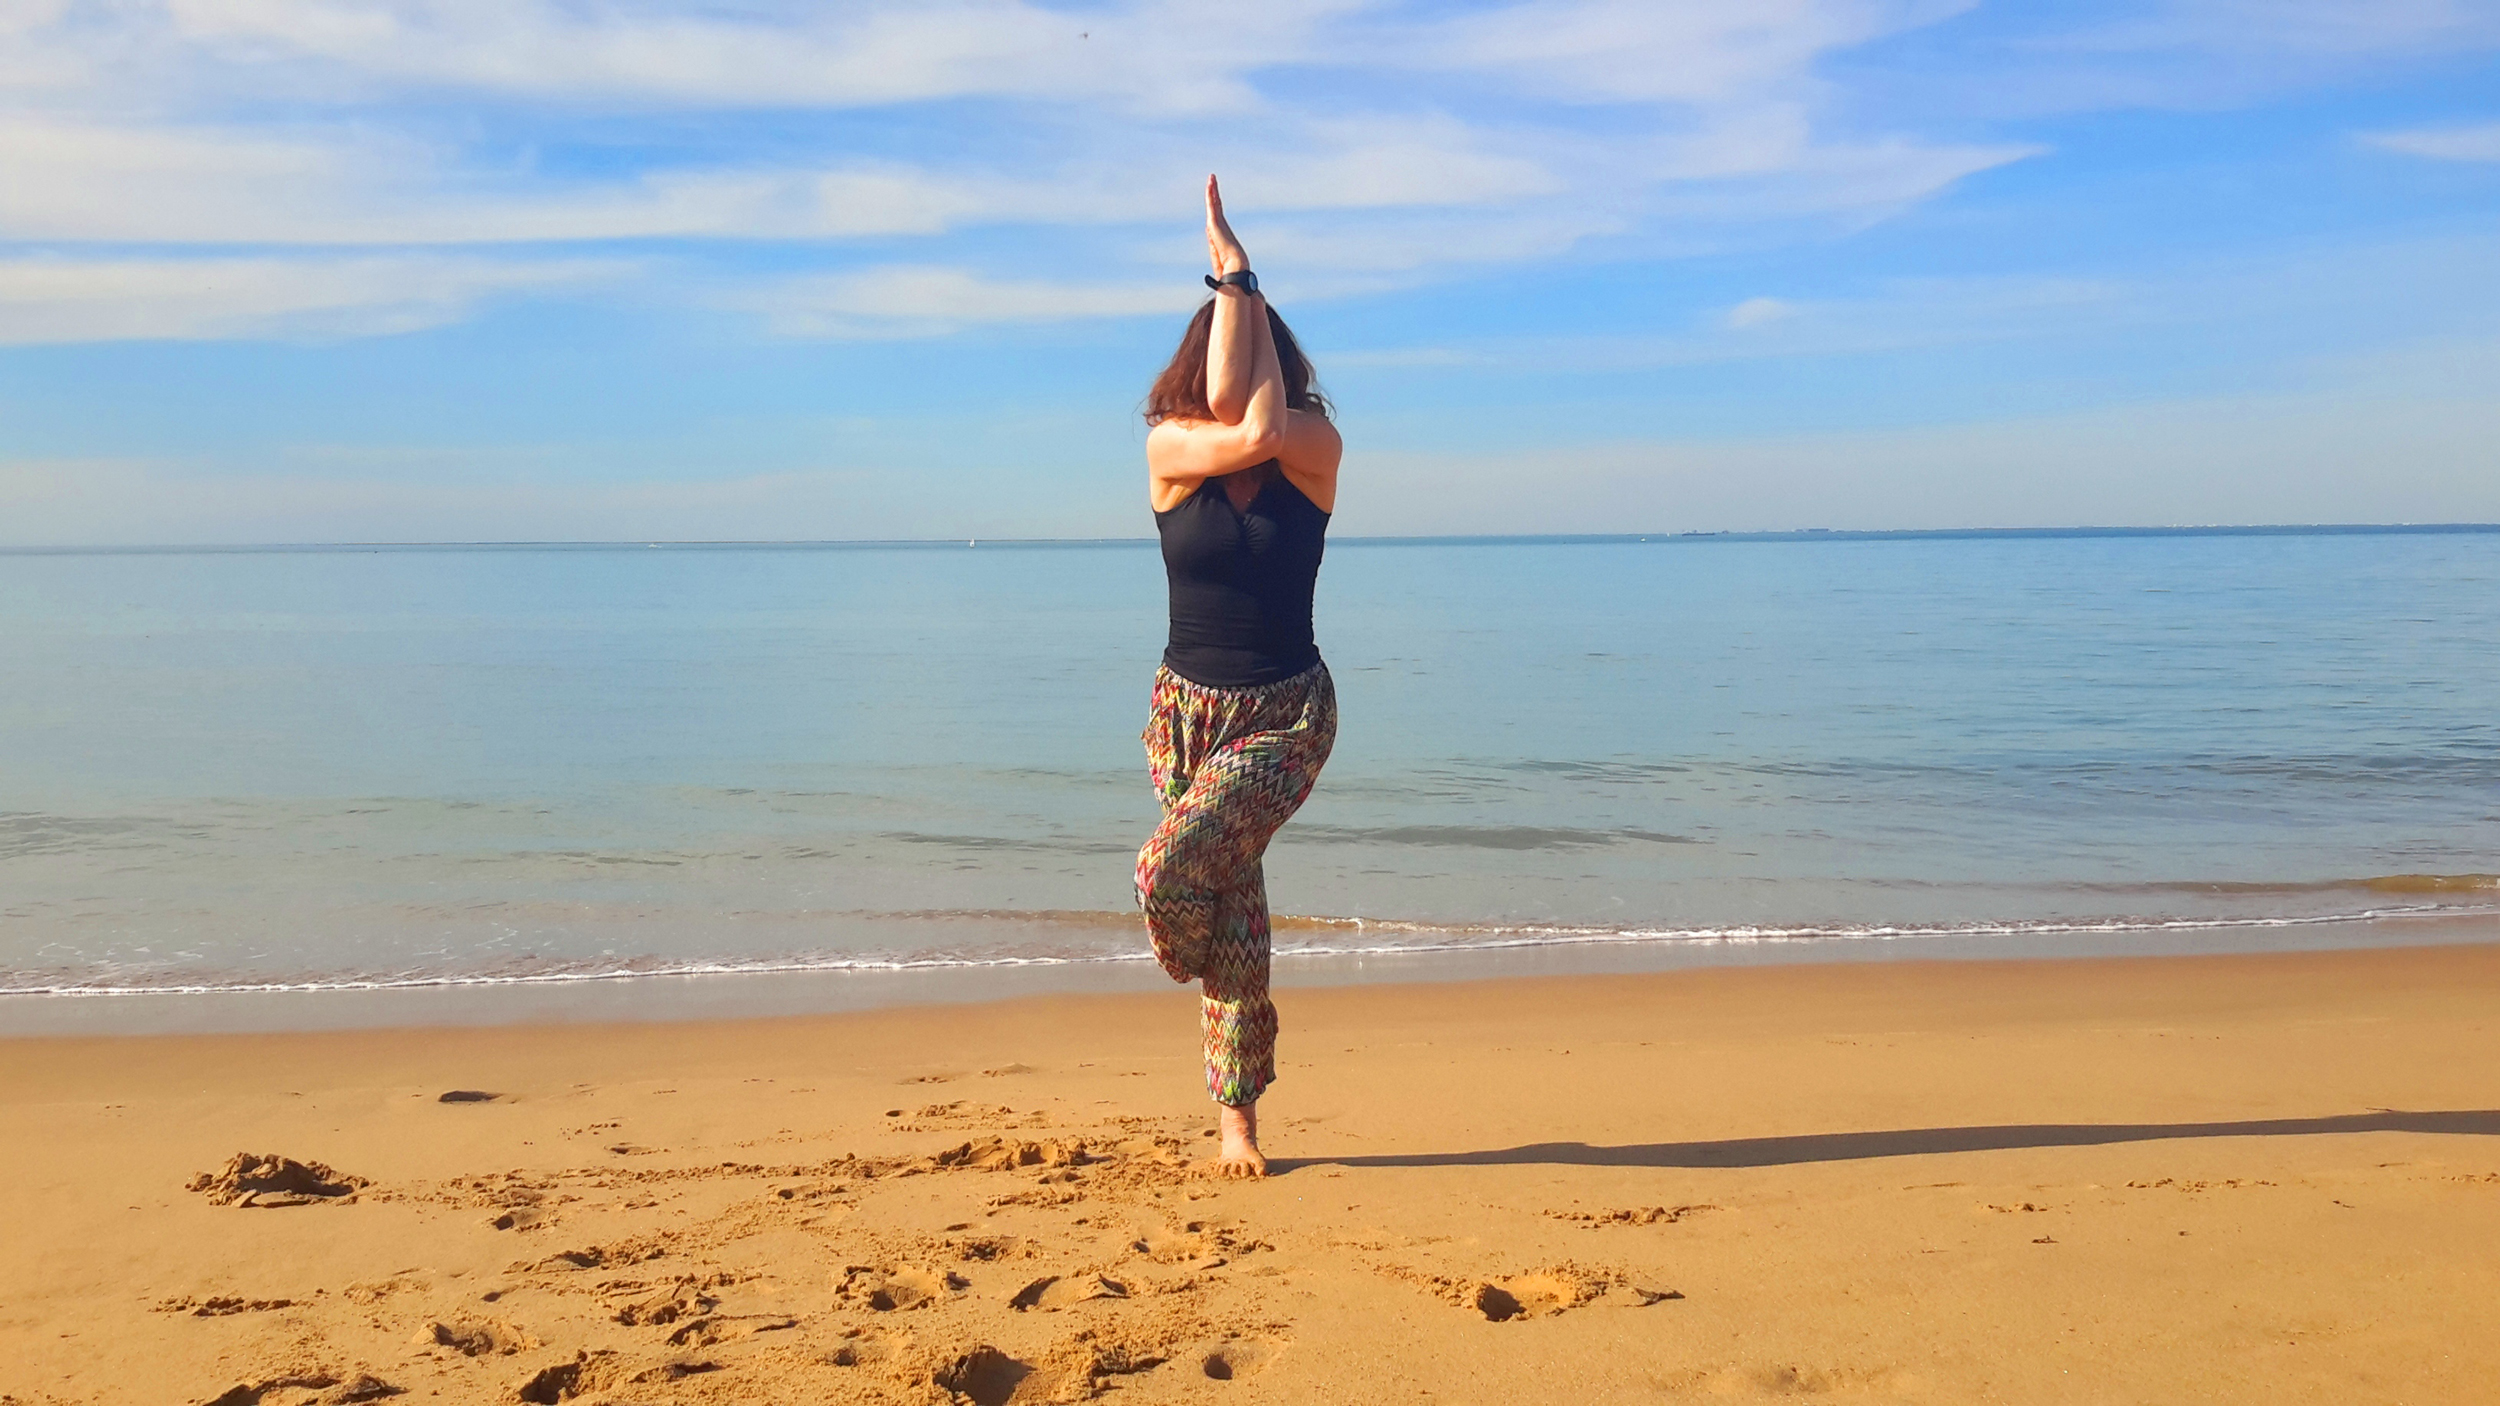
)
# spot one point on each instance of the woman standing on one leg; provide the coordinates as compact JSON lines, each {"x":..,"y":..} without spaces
{"x":1242,"y":470}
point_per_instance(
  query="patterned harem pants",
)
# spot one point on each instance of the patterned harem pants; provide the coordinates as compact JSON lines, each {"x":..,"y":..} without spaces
{"x":1231,"y":765}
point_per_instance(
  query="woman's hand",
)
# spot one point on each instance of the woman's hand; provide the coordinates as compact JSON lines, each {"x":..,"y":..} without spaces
{"x":1223,"y":250}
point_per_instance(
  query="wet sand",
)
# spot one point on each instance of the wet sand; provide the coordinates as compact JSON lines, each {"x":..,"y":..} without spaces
{"x":2269,"y":1178}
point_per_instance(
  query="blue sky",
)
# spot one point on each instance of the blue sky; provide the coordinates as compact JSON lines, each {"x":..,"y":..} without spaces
{"x":321,"y":270}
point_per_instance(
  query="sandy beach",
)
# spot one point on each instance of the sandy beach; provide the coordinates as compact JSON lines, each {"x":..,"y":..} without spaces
{"x":2266,"y":1178}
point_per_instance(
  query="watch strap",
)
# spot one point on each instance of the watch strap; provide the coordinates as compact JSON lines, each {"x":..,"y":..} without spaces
{"x":1242,"y":279}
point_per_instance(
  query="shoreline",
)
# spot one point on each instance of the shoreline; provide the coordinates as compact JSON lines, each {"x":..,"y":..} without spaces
{"x":801,"y":989}
{"x":2255,"y":1177}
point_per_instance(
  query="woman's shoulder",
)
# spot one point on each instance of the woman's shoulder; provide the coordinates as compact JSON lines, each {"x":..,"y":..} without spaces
{"x":1195,"y":492}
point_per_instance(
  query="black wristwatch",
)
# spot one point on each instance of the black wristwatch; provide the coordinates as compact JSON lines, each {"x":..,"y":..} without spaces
{"x":1244,"y":280}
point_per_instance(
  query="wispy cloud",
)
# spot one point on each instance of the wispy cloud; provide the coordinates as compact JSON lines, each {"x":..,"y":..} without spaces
{"x":54,"y":300}
{"x":2400,"y":289}
{"x":2477,"y":142}
{"x":920,"y":301}
{"x":1903,"y":315}
{"x":1150,"y":55}
{"x":190,"y":124}
{"x":2328,"y":28}
{"x":1707,"y":53}
{"x":1374,"y":144}
{"x":2172,"y":55}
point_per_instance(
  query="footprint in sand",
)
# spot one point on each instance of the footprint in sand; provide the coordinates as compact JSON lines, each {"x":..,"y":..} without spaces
{"x":470,"y":1338}
{"x":990,"y":1249}
{"x":1233,"y":1361}
{"x":985,"y":1376}
{"x":633,"y":1251}
{"x":1054,"y":1292}
{"x":1196,"y":1245}
{"x":862,"y":1347}
{"x":890,"y":1290}
{"x":373,"y":1291}
{"x":722,"y":1328}
{"x":681,"y":1300}
{"x":1540,"y":1295}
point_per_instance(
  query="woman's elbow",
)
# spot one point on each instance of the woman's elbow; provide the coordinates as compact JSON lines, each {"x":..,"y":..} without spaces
{"x":1262,"y":442}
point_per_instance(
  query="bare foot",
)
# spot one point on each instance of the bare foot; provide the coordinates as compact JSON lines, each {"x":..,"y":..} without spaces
{"x":1240,"y":1154}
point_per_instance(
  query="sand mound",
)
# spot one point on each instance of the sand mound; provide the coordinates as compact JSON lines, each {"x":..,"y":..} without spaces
{"x":266,"y":1179}
{"x":587,"y":1372}
{"x":997,"y":1154}
{"x":361,"y":1387}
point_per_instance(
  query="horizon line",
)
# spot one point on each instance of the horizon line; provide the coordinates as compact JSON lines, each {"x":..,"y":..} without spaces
{"x":1807,"y":534}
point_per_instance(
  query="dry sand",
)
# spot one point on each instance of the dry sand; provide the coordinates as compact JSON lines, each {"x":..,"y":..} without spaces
{"x":2142,"y":1181}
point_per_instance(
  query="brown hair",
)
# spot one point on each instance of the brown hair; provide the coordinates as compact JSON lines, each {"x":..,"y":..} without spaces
{"x":1180,"y":393}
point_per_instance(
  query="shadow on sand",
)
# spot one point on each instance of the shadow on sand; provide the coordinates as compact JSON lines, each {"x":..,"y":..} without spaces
{"x":1910,"y":1142}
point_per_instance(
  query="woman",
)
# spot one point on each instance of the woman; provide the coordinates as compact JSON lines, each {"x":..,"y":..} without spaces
{"x":1241,"y":467}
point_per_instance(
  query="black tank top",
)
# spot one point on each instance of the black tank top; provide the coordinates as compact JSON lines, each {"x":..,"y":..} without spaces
{"x":1242,"y":583}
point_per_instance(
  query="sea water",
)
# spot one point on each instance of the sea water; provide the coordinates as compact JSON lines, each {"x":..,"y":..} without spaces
{"x":357,"y":767}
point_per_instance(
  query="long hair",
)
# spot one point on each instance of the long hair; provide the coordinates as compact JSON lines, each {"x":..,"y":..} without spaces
{"x":1180,"y":393}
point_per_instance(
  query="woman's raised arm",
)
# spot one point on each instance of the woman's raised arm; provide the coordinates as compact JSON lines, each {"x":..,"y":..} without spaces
{"x":1231,"y":347}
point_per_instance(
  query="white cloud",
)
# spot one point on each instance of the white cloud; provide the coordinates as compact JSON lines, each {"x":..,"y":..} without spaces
{"x":2369,"y":294}
{"x":1153,"y":55}
{"x":1861,"y":182}
{"x":79,"y":180}
{"x":1160,"y":55}
{"x":1378,"y":162}
{"x":2175,"y":55}
{"x":2471,"y":143}
{"x":1104,"y":115}
{"x":1904,"y":314}
{"x":150,"y":122}
{"x":2319,"y":28}
{"x":53,"y":300}
{"x":918,"y":301}
{"x":1759,"y":312}
{"x":1640,"y":50}
{"x":74,"y":180}
{"x":1899,"y":316}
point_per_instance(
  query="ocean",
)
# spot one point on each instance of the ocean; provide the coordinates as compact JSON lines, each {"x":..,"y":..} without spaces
{"x":645,"y":768}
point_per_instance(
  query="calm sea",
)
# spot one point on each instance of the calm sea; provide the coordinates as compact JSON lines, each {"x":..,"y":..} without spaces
{"x":344,"y":767}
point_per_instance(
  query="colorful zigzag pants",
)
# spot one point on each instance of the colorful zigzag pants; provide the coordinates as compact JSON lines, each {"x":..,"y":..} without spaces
{"x":1231,"y":765}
